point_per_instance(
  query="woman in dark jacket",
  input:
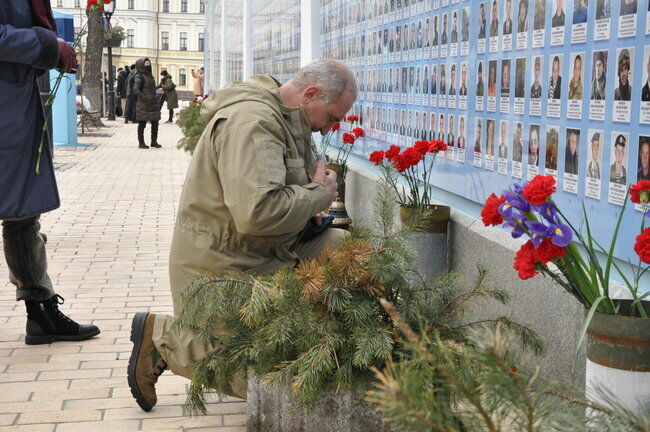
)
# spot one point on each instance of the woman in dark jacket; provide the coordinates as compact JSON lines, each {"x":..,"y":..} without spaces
{"x":144,"y":88}
{"x":169,"y":89}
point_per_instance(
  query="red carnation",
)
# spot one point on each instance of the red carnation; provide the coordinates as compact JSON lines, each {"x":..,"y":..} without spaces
{"x":490,"y":212}
{"x":358,"y":132}
{"x":437,"y":146}
{"x":348,"y":138}
{"x":352,"y":118}
{"x":640,"y":192}
{"x":539,"y":190}
{"x":336,"y":126}
{"x":392,"y":152}
{"x":399,"y":163}
{"x":377,"y":157}
{"x":642,"y":246}
{"x":547,"y":251}
{"x":422,"y":146}
{"x":525,"y":261}
{"x":411,"y":156}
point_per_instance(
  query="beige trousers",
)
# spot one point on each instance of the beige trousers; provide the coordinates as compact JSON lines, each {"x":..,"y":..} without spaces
{"x":181,"y":349}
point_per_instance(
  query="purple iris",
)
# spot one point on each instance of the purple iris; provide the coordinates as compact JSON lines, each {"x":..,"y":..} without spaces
{"x":561,"y":235}
{"x":517,"y":201}
{"x":548,"y":212}
{"x":516,"y":225}
{"x":538,"y":232}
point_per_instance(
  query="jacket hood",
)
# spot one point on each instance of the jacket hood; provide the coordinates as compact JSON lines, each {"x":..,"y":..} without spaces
{"x":139,"y":65}
{"x":260,"y":88}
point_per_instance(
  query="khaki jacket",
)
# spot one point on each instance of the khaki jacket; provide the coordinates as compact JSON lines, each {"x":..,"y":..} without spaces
{"x":247,"y":195}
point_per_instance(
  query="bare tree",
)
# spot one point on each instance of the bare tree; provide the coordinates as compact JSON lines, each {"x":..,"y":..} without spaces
{"x":92,"y":76}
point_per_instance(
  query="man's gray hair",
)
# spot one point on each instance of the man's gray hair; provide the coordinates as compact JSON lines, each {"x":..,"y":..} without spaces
{"x":333,"y":77}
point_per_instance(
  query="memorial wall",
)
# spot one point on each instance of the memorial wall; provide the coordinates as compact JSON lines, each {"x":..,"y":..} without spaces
{"x":516,"y":88}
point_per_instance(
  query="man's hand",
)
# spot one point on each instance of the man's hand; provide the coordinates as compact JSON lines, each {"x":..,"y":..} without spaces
{"x":326,"y":178}
{"x":67,"y":57}
{"x":318,"y":218}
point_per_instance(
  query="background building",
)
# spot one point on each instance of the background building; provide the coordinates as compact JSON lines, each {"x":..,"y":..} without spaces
{"x":170,"y":32}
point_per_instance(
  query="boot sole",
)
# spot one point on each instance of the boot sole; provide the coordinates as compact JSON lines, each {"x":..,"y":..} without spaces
{"x":48,"y":339}
{"x":137,"y":334}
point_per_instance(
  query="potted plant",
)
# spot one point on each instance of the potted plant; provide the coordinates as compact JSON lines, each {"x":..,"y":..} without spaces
{"x":618,"y":331}
{"x":338,"y":164}
{"x":114,"y":36}
{"x":426,"y":222}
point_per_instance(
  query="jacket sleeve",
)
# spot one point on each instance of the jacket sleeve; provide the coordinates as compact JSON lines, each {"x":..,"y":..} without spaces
{"x":137,"y":84}
{"x":36,"y":46}
{"x":250,"y":163}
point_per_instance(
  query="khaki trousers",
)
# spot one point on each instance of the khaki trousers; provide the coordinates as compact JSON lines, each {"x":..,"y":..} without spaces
{"x":181,"y":349}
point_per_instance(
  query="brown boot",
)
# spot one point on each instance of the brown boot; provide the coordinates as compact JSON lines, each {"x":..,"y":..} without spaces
{"x":145,"y":364}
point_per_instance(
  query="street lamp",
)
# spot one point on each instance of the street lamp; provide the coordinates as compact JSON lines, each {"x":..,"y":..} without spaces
{"x":109,"y":10}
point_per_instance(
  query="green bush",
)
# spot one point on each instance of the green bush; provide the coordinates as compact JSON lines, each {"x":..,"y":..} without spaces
{"x":192,"y":125}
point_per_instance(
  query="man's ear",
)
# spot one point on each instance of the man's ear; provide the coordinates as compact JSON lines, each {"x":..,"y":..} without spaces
{"x":310,"y":94}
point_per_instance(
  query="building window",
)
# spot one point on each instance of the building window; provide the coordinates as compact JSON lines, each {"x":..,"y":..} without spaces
{"x":182,"y":78}
{"x":59,"y":3}
{"x":130,"y":35}
{"x":165,"y":6}
{"x":183,"y":5}
{"x":183,"y":44}
{"x":164,"y":40}
{"x":202,"y":6}
{"x":131,"y":4}
{"x":201,"y":42}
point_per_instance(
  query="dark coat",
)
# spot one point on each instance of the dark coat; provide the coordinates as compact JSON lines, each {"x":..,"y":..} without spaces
{"x":169,"y":88}
{"x":25,"y":52}
{"x":144,"y":88}
{"x":121,"y":83}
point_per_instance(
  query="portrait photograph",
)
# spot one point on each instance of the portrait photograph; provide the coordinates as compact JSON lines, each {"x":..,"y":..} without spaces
{"x":522,"y":16}
{"x":465,"y":24}
{"x":555,"y":79}
{"x":520,"y":77}
{"x":503,"y":139}
{"x":489,"y":137}
{"x":623,"y":87}
{"x":533,"y":145}
{"x":482,"y":21}
{"x":575,"y":85}
{"x":505,"y":77}
{"x":619,"y":155}
{"x":552,"y":141}
{"x":536,"y":77}
{"x":572,"y":151}
{"x":507,"y":17}
{"x":599,"y":75}
{"x":645,"y":91}
{"x":628,"y":7}
{"x":494,"y":18}
{"x":492,"y":78}
{"x":480,"y":85}
{"x":539,"y":20}
{"x":559,"y":17}
{"x":478,"y":134}
{"x":517,"y":145}
{"x":643,"y":170}
{"x":580,"y":9}
{"x":594,"y":154}
{"x":603,"y":9}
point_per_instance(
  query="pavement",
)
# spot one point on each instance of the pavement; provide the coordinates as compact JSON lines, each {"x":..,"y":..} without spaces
{"x":108,"y":248}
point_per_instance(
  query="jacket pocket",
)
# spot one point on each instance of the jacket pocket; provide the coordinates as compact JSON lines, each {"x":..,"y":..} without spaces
{"x":296,"y":173}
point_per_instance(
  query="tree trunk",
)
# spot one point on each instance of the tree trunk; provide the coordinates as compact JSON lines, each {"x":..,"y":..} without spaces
{"x":92,"y":77}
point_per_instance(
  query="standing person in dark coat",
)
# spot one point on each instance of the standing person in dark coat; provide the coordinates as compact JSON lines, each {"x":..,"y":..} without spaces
{"x":169,"y":89}
{"x":129,"y":115}
{"x":28,"y":49}
{"x":147,"y":110}
{"x":121,"y":87}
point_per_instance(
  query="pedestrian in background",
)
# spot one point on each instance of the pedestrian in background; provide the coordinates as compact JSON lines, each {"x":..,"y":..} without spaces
{"x":122,"y":77}
{"x":147,"y":110}
{"x":169,"y":90}
{"x":129,"y":115}
{"x":161,"y":96}
{"x":198,"y":82}
{"x":28,"y":49}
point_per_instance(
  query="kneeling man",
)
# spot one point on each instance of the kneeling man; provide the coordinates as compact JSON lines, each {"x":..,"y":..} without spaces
{"x":252,"y":187}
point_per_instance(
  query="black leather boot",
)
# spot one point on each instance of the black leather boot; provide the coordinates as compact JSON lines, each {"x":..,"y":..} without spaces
{"x":141,"y":144}
{"x":47,"y":324}
{"x":154,"y":135}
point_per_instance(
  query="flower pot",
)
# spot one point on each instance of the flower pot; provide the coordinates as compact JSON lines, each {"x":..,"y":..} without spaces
{"x":337,"y":209}
{"x":272,"y":409}
{"x":113,"y":43}
{"x":427,"y":237}
{"x":618,"y":357}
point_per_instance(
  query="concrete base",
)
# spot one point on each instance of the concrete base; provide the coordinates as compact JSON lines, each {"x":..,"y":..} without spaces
{"x":272,"y":410}
{"x":539,"y":302}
